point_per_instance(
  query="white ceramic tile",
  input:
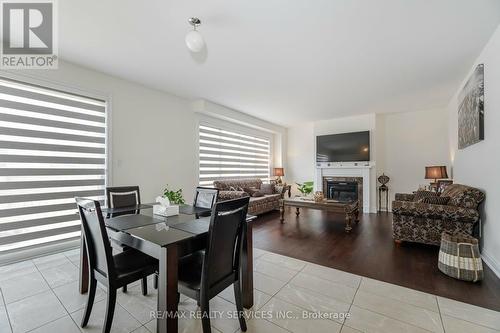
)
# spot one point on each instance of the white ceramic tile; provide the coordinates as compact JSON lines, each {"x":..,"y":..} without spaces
{"x":470,"y":313}
{"x":4,"y":320}
{"x":123,"y":322}
{"x":15,"y":270}
{"x":371,"y":322}
{"x":410,"y":296}
{"x":258,"y":253}
{"x":297,"y":320}
{"x":266,"y":283}
{"x":410,"y":314}
{"x":73,"y":255}
{"x":53,"y":260}
{"x":284,"y":261}
{"x":333,"y":275}
{"x":23,"y":286}
{"x":314,"y":302}
{"x":273,"y":270}
{"x":259,"y":298}
{"x":331,"y":289}
{"x":62,"y":325}
{"x":461,"y":326}
{"x":186,"y":325}
{"x":263,"y":326}
{"x":347,"y":329}
{"x":60,"y":275}
{"x":35,"y":311}
{"x":71,"y":298}
{"x":139,"y":306}
{"x":142,"y":329}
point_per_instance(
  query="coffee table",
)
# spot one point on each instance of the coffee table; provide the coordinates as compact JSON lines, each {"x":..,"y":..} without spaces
{"x":350,"y":209}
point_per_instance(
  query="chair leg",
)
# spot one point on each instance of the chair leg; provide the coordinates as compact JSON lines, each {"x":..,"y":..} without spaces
{"x":90,"y":301}
{"x":205,"y":315}
{"x":124,"y":288}
{"x":144,"y":286}
{"x":110,"y":310}
{"x":155,"y":281}
{"x":239,"y":306}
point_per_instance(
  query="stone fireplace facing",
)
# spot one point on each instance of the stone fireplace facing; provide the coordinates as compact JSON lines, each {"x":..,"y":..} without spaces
{"x":344,"y":189}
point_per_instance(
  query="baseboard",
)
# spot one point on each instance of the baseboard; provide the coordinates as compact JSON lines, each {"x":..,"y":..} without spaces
{"x":492,"y":263}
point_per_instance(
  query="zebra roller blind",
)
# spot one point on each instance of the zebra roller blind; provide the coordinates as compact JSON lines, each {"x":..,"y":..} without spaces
{"x":226,"y":154}
{"x":52,"y":148}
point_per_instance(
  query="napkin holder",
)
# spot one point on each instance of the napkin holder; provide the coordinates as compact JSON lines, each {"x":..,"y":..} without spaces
{"x":164,"y":208}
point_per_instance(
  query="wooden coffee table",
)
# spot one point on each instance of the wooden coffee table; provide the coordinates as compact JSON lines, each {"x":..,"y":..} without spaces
{"x":350,"y":209}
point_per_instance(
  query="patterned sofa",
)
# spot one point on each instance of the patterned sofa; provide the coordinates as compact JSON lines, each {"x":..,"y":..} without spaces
{"x":237,"y":188}
{"x":420,"y":218}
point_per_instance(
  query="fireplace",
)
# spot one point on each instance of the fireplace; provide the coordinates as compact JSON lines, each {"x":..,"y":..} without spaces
{"x":343,"y":189}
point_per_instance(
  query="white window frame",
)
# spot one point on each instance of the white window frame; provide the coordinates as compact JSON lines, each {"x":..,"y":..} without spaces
{"x":45,"y":249}
{"x":203,"y":120}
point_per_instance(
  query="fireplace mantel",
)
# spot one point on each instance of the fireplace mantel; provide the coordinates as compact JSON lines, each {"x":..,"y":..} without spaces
{"x":343,"y":170}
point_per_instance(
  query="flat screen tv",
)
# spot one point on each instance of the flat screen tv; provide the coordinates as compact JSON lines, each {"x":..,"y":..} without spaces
{"x":345,"y":147}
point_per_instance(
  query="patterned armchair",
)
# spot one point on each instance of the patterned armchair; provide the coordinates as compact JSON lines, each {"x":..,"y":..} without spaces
{"x":423,"y":217}
{"x":237,"y":188}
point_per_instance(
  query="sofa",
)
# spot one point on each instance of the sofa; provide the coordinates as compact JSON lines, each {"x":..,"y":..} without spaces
{"x":422,"y":216}
{"x":238,"y":188}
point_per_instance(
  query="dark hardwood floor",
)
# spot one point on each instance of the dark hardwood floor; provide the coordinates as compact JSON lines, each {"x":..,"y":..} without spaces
{"x":369,"y":251}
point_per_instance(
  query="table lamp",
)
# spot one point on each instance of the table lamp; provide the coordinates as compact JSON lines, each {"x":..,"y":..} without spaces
{"x":435,"y":172}
{"x":279,"y":172}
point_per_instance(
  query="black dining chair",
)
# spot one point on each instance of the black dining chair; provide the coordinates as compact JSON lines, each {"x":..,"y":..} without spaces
{"x":204,"y":274}
{"x":123,"y":196}
{"x":113,"y":271}
{"x":205,"y":197}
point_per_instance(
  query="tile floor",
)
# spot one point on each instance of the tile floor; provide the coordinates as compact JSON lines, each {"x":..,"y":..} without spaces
{"x":41,"y":296}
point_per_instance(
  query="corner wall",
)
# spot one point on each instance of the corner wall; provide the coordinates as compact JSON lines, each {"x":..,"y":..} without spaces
{"x":478,"y":165}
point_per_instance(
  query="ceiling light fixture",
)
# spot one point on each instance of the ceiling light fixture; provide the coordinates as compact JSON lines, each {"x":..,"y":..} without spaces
{"x":194,"y":40}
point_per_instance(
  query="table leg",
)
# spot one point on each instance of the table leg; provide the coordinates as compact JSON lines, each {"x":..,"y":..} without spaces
{"x":247,"y":268}
{"x":348,"y":222}
{"x":167,"y":290}
{"x":282,"y":211}
{"x":84,"y":267}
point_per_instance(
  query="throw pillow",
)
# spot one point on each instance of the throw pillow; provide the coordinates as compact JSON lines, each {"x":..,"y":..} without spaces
{"x":266,"y":189}
{"x":253,"y":191}
{"x":436,"y":200}
{"x":420,"y":195}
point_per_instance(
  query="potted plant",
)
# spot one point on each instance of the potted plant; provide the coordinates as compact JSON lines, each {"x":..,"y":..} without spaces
{"x":169,"y":202}
{"x":305,"y":188}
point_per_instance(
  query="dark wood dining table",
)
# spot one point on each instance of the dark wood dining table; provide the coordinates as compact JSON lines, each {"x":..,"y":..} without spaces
{"x":167,"y":239}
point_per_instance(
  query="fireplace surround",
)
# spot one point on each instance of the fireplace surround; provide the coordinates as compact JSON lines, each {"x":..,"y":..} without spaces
{"x":343,"y":189}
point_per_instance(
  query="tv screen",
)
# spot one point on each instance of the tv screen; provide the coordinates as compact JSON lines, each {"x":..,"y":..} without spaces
{"x":345,"y":147}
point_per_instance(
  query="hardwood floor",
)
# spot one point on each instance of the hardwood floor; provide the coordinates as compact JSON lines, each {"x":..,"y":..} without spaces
{"x":369,"y":251}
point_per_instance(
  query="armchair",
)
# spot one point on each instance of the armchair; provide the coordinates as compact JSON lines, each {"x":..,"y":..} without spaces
{"x":423,"y":222}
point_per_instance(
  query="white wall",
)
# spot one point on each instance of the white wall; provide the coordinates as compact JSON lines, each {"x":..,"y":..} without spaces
{"x":478,"y":165}
{"x":410,"y":141}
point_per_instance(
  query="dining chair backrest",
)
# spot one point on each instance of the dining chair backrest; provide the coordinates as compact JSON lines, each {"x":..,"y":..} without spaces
{"x":205,"y":197}
{"x":226,"y":230}
{"x":123,"y":196}
{"x":100,"y":256}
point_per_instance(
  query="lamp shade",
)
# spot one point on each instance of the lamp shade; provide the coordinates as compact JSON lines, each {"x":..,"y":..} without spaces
{"x":279,"y":172}
{"x":436,"y":172}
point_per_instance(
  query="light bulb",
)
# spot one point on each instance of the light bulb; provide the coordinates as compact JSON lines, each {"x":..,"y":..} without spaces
{"x":195,"y":41}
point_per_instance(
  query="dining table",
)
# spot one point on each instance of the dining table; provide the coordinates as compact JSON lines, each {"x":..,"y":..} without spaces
{"x":167,"y":239}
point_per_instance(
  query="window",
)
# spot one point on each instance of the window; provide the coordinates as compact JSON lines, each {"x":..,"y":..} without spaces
{"x":226,"y":154}
{"x":52,"y":149}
